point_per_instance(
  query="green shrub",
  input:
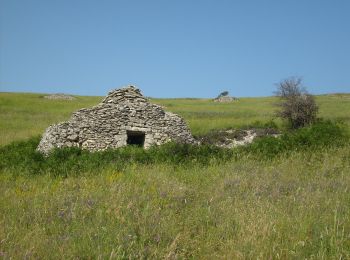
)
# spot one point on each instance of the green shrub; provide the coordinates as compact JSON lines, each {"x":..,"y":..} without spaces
{"x":320,"y":134}
{"x":21,"y":157}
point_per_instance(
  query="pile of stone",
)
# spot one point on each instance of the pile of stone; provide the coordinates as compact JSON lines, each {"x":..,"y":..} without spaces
{"x":124,"y":117}
{"x":60,"y":96}
{"x":236,"y":137}
{"x":224,"y":99}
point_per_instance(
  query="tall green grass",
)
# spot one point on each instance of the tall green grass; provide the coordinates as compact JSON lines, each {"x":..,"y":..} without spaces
{"x":291,"y":207}
{"x":22,"y":158}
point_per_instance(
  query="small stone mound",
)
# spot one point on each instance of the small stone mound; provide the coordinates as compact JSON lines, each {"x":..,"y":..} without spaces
{"x":224,"y":99}
{"x":60,"y":96}
{"x":124,"y":117}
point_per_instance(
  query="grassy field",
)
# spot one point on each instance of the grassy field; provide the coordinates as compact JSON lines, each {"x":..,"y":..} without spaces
{"x":295,"y":205}
{"x":26,"y":115}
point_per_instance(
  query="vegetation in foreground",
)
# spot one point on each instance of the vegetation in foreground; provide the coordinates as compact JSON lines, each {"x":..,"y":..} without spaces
{"x":277,"y":198}
{"x":259,"y":201}
{"x":294,"y":206}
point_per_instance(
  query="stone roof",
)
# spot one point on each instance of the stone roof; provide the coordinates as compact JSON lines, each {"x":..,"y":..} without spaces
{"x":122,"y":115}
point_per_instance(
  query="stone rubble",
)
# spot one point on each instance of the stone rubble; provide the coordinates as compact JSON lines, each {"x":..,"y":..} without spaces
{"x":224,"y":99}
{"x":248,"y":138}
{"x":60,"y":96}
{"x":236,"y":137}
{"x":122,"y":113}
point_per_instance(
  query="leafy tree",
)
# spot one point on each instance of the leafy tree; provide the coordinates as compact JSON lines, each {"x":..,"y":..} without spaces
{"x":223,"y":94}
{"x":297,"y":106}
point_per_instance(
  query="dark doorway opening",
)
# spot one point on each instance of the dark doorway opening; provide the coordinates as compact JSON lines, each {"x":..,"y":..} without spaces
{"x":135,"y":138}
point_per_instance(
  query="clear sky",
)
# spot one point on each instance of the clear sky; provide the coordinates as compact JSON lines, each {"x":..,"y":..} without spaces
{"x":179,"y":48}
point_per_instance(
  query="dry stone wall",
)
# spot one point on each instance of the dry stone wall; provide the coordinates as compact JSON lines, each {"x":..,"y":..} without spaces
{"x":124,"y":116}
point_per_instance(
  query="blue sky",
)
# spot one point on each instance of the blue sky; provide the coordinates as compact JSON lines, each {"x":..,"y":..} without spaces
{"x":174,"y":48}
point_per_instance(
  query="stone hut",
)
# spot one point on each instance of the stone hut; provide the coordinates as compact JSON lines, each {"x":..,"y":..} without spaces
{"x":124,"y":117}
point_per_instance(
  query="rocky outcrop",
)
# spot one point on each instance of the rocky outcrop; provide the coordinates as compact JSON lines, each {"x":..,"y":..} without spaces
{"x":124,"y":117}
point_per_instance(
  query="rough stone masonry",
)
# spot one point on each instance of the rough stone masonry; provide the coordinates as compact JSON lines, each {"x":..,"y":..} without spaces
{"x":124,"y":117}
